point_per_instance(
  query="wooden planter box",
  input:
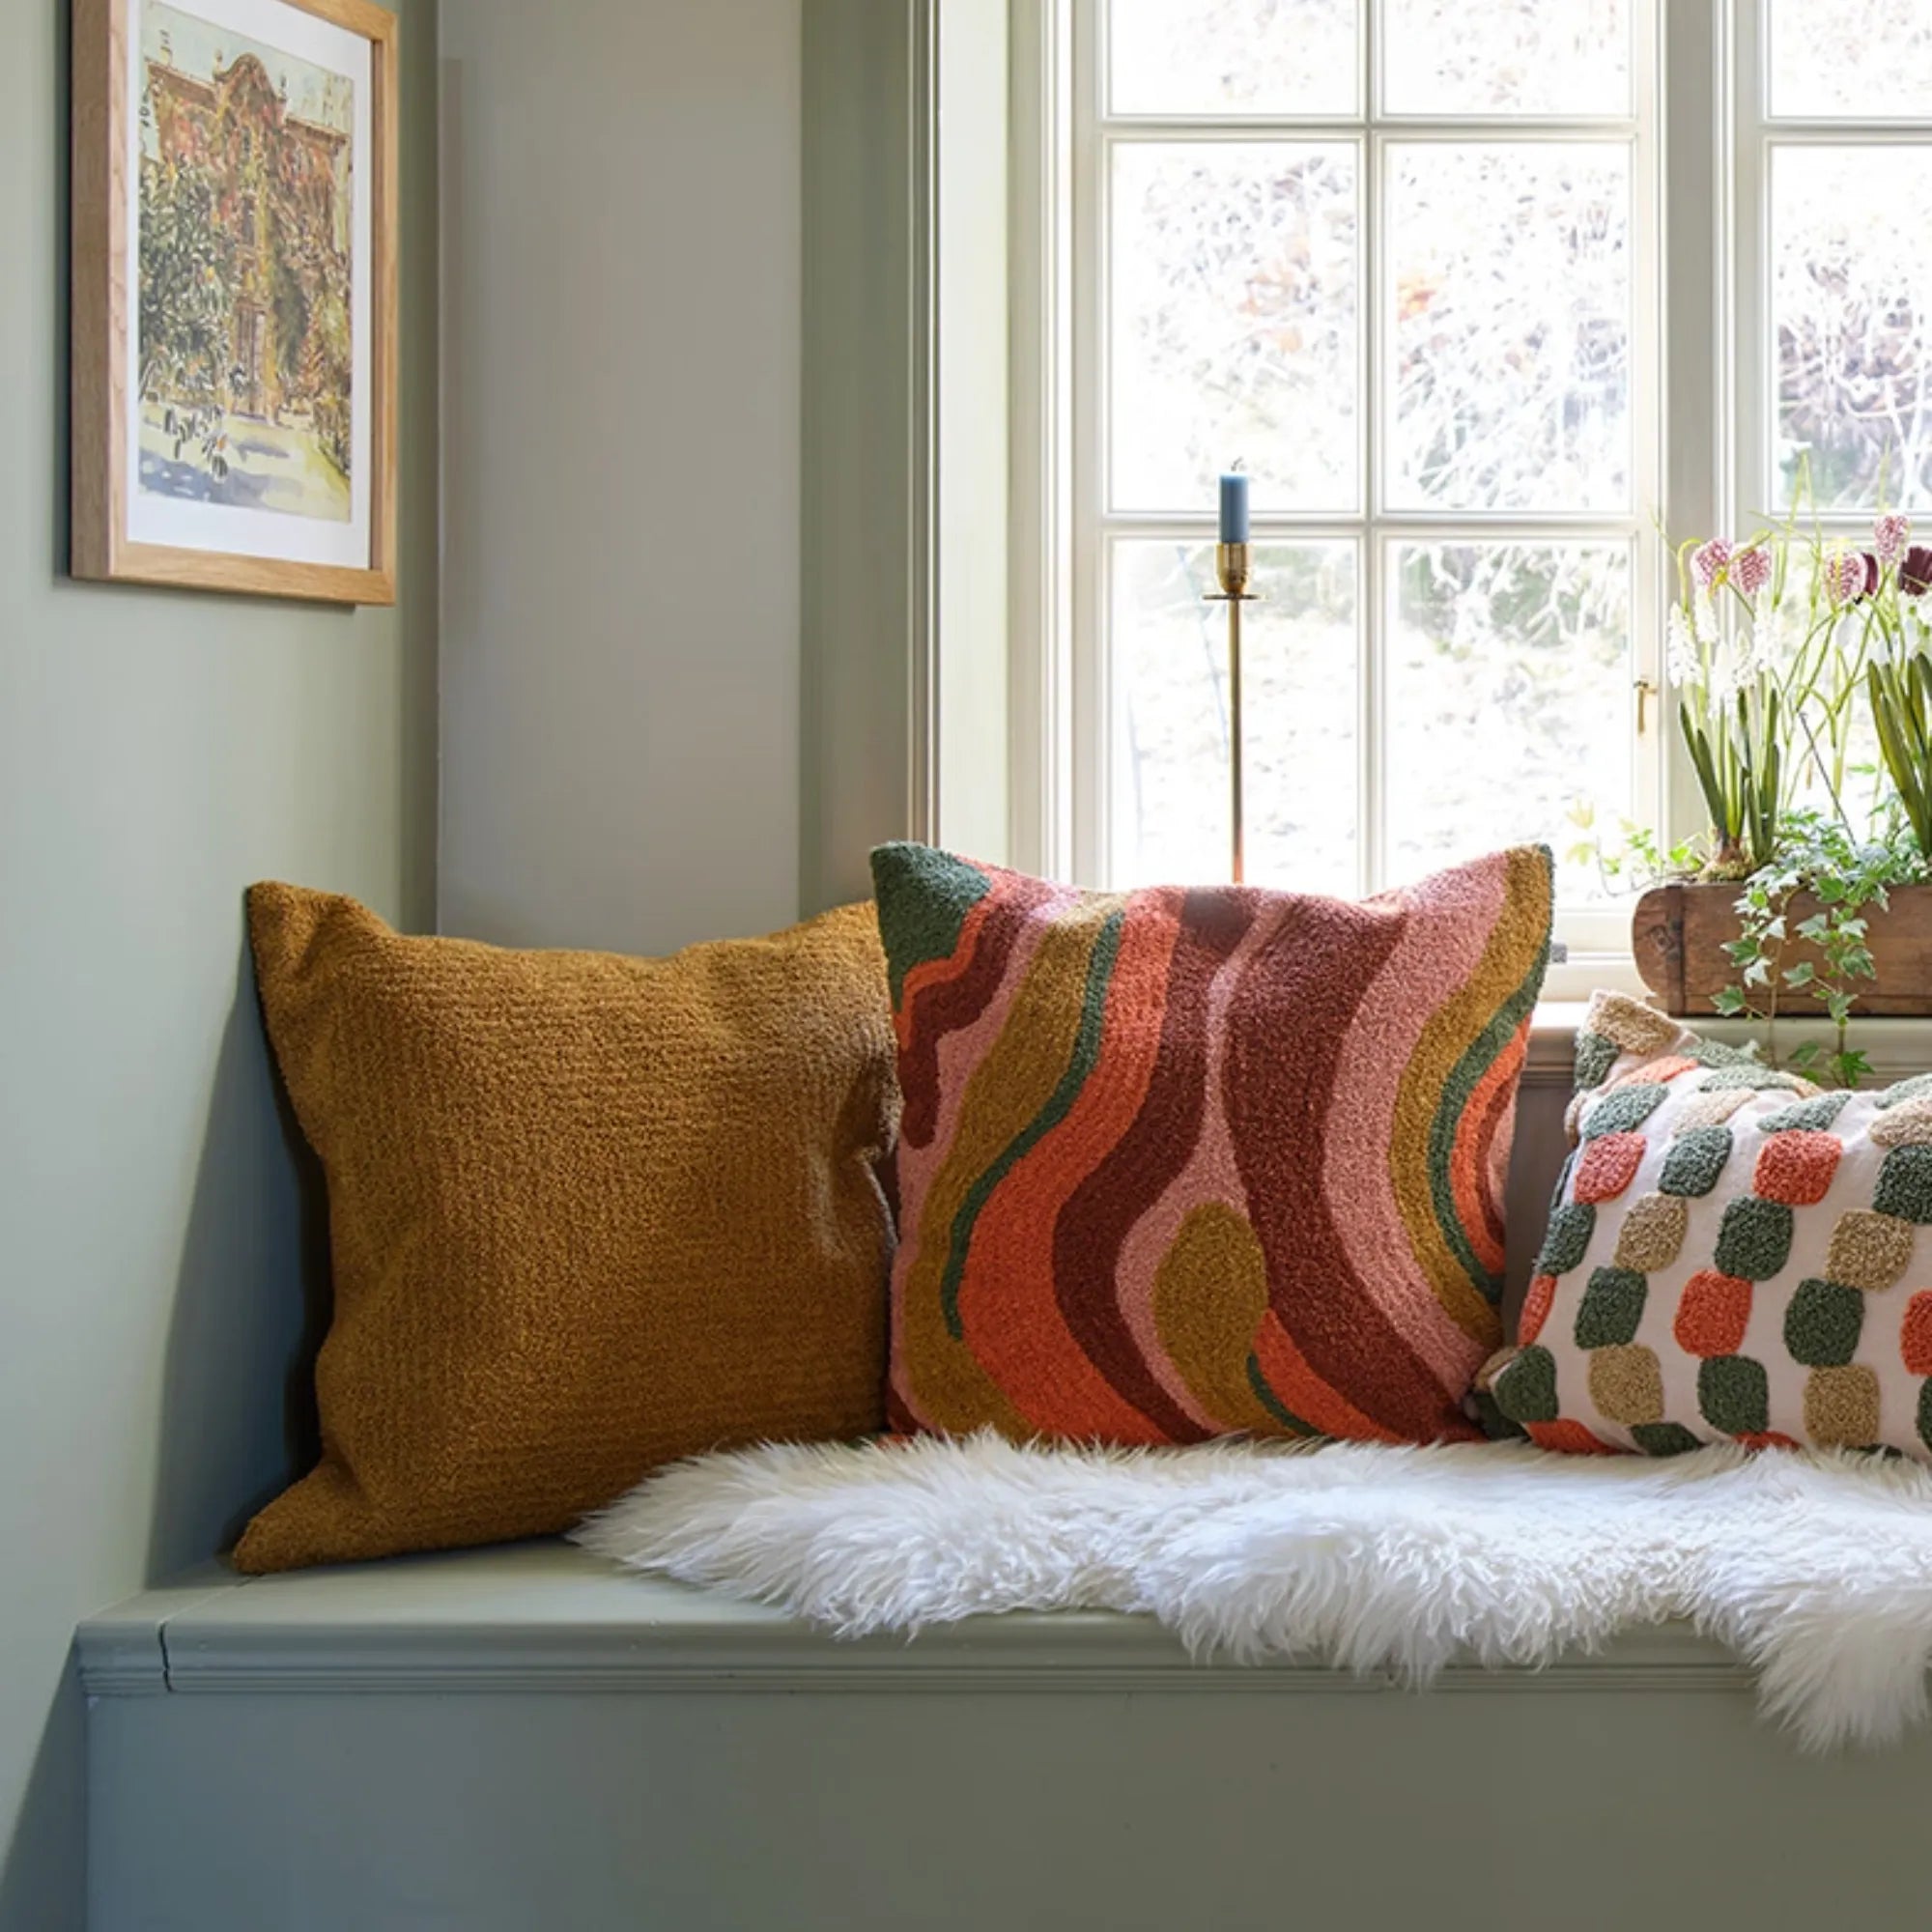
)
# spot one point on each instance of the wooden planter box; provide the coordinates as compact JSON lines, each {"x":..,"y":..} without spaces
{"x":1678,"y":934}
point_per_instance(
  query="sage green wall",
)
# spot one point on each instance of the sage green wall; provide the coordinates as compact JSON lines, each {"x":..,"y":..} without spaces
{"x":159,"y":750}
{"x":620,"y":640}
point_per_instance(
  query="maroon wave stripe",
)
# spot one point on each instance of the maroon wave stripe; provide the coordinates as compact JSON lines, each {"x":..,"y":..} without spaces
{"x":1317,"y":967}
{"x":950,"y":1004}
{"x":1159,"y":1141}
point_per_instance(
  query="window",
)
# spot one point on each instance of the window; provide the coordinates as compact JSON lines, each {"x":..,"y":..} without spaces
{"x":1416,"y":264}
{"x":1833,"y":174}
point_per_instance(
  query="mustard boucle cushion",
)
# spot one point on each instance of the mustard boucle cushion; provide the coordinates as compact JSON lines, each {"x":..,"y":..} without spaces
{"x":587,"y":1214}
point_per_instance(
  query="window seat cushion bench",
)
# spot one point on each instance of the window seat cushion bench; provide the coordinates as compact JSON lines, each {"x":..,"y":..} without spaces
{"x":521,"y":1738}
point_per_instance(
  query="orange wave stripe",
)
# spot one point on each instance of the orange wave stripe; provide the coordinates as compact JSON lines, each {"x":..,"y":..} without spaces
{"x":1007,"y":1301}
{"x":1305,"y":1394}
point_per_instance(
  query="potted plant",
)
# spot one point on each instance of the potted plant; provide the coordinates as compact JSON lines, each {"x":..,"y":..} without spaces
{"x":1808,"y":894}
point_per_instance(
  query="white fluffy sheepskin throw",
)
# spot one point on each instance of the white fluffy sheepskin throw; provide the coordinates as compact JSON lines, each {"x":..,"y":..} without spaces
{"x":1815,"y":1567}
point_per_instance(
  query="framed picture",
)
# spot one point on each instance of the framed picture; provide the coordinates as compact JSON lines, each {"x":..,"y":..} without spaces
{"x":235,"y":296}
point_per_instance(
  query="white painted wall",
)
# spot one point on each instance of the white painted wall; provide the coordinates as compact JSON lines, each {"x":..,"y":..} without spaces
{"x":159,"y":750}
{"x":621,"y":303}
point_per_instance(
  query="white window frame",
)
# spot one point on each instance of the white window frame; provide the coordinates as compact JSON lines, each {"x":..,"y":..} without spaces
{"x":1701,"y":400}
{"x":1757,"y":135}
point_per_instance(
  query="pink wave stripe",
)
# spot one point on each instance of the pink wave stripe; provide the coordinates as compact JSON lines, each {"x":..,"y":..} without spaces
{"x":1451,"y":922}
{"x":1210,"y":1176}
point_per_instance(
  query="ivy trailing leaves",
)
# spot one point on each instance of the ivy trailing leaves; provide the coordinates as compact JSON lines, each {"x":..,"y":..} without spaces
{"x":1816,"y":963}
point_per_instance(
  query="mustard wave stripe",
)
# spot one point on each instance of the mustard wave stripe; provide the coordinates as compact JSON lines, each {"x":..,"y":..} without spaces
{"x":1059,"y":1103}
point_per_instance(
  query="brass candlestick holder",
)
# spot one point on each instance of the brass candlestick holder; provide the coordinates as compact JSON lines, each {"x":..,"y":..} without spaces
{"x":1234,"y":567}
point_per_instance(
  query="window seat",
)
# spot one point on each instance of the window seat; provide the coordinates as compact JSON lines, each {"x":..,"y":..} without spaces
{"x":549,"y":1617}
{"x":521,"y":1738}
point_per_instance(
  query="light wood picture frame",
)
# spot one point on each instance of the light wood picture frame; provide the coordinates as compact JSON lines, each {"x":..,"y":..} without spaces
{"x":233,"y":326}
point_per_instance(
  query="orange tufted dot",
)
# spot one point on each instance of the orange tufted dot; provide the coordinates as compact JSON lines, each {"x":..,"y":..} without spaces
{"x":1914,"y":1334}
{"x":1569,"y":1439}
{"x":1712,"y":1314}
{"x":1797,"y":1168}
{"x":1608,"y":1165}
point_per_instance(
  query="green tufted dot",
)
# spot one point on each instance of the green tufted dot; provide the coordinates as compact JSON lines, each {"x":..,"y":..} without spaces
{"x":1695,"y":1160}
{"x":1755,"y":1239}
{"x":1618,"y":1113}
{"x":1664,"y":1438}
{"x":1822,"y":1323}
{"x":1525,"y":1389}
{"x":1612,"y":1308}
{"x":1761,"y":1079}
{"x":1734,"y":1395}
{"x":1493,"y":1422}
{"x":1905,"y":1184}
{"x":1568,"y":1240}
{"x":1806,"y":1117}
{"x":1595,"y":1057}
{"x":1715,"y":1053}
{"x":1918,"y":1086}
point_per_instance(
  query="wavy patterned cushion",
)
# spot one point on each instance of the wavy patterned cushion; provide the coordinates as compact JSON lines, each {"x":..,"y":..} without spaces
{"x":1179,"y":1163}
{"x":1733,"y":1256}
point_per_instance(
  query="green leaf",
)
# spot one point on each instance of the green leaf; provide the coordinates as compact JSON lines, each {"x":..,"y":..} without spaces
{"x":1730,"y":1002}
{"x":1801,"y":975}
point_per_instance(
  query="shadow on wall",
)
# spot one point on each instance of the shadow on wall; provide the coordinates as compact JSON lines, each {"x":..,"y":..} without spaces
{"x":1535,"y":1166}
{"x":237,"y":1404}
{"x":43,"y":1885}
{"x":238,"y":1410}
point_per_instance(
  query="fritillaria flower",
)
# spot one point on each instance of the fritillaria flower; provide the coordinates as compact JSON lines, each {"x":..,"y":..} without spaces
{"x":1750,"y":571}
{"x":1915,"y":571}
{"x":1849,"y":574}
{"x":1890,"y":534}
{"x":1711,"y":561}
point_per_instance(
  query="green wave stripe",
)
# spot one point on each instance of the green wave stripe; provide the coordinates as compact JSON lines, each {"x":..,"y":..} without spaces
{"x":1265,"y":1395}
{"x":1057,"y":1106}
{"x":1456,"y":1092}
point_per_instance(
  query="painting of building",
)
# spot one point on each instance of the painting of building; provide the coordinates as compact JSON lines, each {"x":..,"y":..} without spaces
{"x":245,"y":351}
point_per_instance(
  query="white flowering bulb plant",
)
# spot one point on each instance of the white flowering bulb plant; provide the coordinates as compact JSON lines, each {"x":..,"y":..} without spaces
{"x":1768,"y":646}
{"x":1898,"y":679}
{"x":1779,"y":648}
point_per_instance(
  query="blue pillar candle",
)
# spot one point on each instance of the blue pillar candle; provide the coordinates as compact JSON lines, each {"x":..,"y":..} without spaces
{"x":1233,"y":507}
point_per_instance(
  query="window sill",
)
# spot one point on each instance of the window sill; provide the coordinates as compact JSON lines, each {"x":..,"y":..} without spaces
{"x":1897,"y":1047}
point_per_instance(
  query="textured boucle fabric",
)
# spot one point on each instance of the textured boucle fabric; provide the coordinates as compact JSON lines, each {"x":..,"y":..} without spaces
{"x":1734,"y":1257}
{"x":587,"y":1214}
{"x":1178,"y":1164}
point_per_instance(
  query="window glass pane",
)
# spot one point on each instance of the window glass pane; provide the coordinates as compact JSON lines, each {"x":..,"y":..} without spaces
{"x":1509,"y":337}
{"x":1170,"y":751}
{"x":1506,"y":57}
{"x":1508,"y":699}
{"x":1282,"y":57}
{"x":1850,"y":274}
{"x":1232,"y":334}
{"x":1844,"y":59}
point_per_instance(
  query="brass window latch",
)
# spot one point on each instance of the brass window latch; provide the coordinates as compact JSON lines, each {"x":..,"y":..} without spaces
{"x":1646,"y":690}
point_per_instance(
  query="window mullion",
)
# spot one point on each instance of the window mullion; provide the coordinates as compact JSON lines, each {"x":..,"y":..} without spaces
{"x":1371,"y":618}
